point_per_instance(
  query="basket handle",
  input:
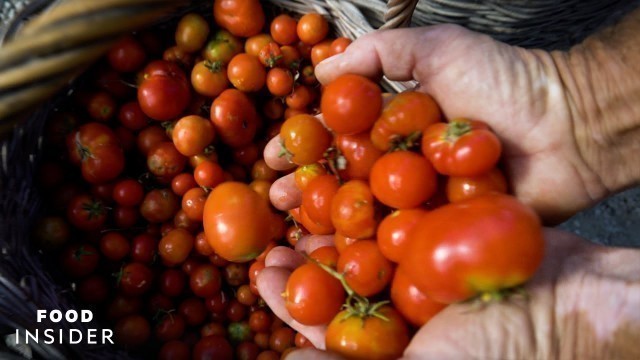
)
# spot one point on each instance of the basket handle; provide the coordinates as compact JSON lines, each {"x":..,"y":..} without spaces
{"x":57,"y":45}
{"x":398,"y":13}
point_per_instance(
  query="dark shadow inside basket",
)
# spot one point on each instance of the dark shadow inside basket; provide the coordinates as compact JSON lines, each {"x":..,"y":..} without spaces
{"x":30,"y":279}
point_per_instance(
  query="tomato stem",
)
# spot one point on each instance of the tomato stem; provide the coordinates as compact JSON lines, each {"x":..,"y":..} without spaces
{"x":456,"y":129}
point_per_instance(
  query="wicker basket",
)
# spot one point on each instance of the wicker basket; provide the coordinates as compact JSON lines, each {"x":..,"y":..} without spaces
{"x":42,"y":56}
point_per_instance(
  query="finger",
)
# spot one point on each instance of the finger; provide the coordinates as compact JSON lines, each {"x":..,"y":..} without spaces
{"x":311,"y":354}
{"x":307,"y":244}
{"x":272,"y":155}
{"x":284,"y":194}
{"x":284,"y":257}
{"x":396,"y":53}
{"x":271,"y":284}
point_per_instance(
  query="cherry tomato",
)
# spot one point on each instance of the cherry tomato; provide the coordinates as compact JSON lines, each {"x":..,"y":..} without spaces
{"x":126,"y":55}
{"x":192,"y":134}
{"x":305,"y":139}
{"x":101,"y":106}
{"x":205,"y":280}
{"x":209,"y":78}
{"x":321,"y":51}
{"x":368,"y":337}
{"x":270,"y":55}
{"x":223,"y":47}
{"x":237,"y":222}
{"x":150,"y":137}
{"x":360,"y":155}
{"x":279,"y":82}
{"x":208,"y":174}
{"x":144,"y":248}
{"x":135,"y":279}
{"x":327,"y":255}
{"x":212,"y":346}
{"x":393,"y":232}
{"x":365,"y":269}
{"x":175,"y":246}
{"x":341,"y":242}
{"x":312,"y":28}
{"x":178,"y":55}
{"x":246,"y":73}
{"x":165,"y":161}
{"x":182,"y":183}
{"x":306,"y":173}
{"x":164,"y":92}
{"x":174,"y":350}
{"x":254,"y":44}
{"x":86,"y":213}
{"x":353,"y":211}
{"x":317,"y":197}
{"x":192,"y":32}
{"x":132,"y":331}
{"x":97,"y":149}
{"x":412,"y":303}
{"x":51,"y":232}
{"x":172,"y":282}
{"x":461,"y":147}
{"x":234,"y":117}
{"x":241,"y":17}
{"x":408,"y":114}
{"x":79,"y":260}
{"x":159,"y":205}
{"x":291,"y":58}
{"x":351,"y":104}
{"x":281,"y":339}
{"x":339,"y":45}
{"x":261,"y":171}
{"x":273,"y":109}
{"x":193,"y":311}
{"x":128,"y":192}
{"x":465,"y":187}
{"x":403,"y":179}
{"x":301,"y":97}
{"x":483,"y":244}
{"x":132,"y":117}
{"x":170,"y":327}
{"x":114,"y":246}
{"x":283,"y":29}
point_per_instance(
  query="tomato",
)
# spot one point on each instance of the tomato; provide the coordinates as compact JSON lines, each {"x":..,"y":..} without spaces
{"x":360,"y":155}
{"x":182,"y":183}
{"x":128,"y":192}
{"x":212,"y":347}
{"x":127,"y":55}
{"x":158,"y":304}
{"x":159,"y":205}
{"x":213,"y":328}
{"x":393,"y":232}
{"x":132,"y":117}
{"x":312,"y":295}
{"x":246,"y":73}
{"x":254,"y":44}
{"x":239,"y":331}
{"x":79,"y":260}
{"x":178,"y":55}
{"x":306,"y":173}
{"x":246,"y":155}
{"x":165,"y":161}
{"x":122,"y":306}
{"x":144,"y":248}
{"x":97,"y":149}
{"x":339,"y":45}
{"x":408,"y":114}
{"x":164,"y":92}
{"x":150,"y":137}
{"x":114,"y":246}
{"x":483,"y":244}
{"x":223,"y":47}
{"x":51,"y":232}
{"x":192,"y":32}
{"x":193,"y":203}
{"x":135,"y":279}
{"x":175,"y":247}
{"x":273,"y":109}
{"x":205,"y":280}
{"x":416,"y":307}
{"x":261,"y":171}
{"x":247,"y":350}
{"x":267,"y":354}
{"x":192,"y":134}
{"x":365,"y":269}
{"x":300,"y":98}
{"x":241,"y":17}
{"x":208,"y":174}
{"x":283,"y":29}
{"x":321,"y":51}
{"x":305,"y":139}
{"x":312,"y":28}
{"x":237,"y":222}
{"x":245,"y":296}
{"x":259,"y":321}
{"x":368,"y":337}
{"x":170,"y":327}
{"x":174,"y":350}
{"x":125,"y":217}
{"x":86,"y":213}
{"x":193,"y":311}
{"x":460,"y":188}
{"x":132,"y":331}
{"x":172,"y":282}
{"x":317,"y":197}
{"x":209,"y":78}
{"x":403,"y":179}
{"x":236,"y":274}
{"x":209,"y":154}
{"x":279,"y":82}
{"x":291,"y":58}
{"x":234,"y":117}
{"x":327,"y":255}
{"x":270,"y":55}
{"x":461,"y":147}
{"x":353,"y":211}
{"x":281,"y":339}
{"x":101,"y":106}
{"x":351,"y":104}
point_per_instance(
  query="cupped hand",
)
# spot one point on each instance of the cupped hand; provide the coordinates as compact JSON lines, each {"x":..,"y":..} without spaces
{"x":581,"y":304}
{"x":518,"y":92}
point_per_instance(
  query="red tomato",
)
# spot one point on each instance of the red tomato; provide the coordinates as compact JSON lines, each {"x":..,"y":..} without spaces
{"x":339,"y":45}
{"x":132,"y":331}
{"x":159,"y":205}
{"x":305,"y":139}
{"x":364,"y":267}
{"x":192,"y":134}
{"x":283,"y":29}
{"x":393,"y":232}
{"x":150,"y":137}
{"x":368,"y":337}
{"x":79,"y":260}
{"x":461,"y":147}
{"x":174,"y":350}
{"x":483,"y":244}
{"x":317,"y":197}
{"x":182,"y":183}
{"x":279,"y":82}
{"x":175,"y":246}
{"x":164,"y":92}
{"x":132,"y":117}
{"x":359,"y":153}
{"x":234,"y":117}
{"x":86,"y":213}
{"x":135,"y":279}
{"x":327,"y":255}
{"x":241,"y":17}
{"x":144,"y":248}
{"x":403,"y":180}
{"x":128,"y":192}
{"x":213,"y":347}
{"x":351,"y":104}
{"x":412,"y":303}
{"x":192,"y":32}
{"x":114,"y":246}
{"x":246,"y":73}
{"x":172,"y":282}
{"x":205,"y":280}
{"x":321,"y":51}
{"x":306,"y":173}
{"x":237,"y":222}
{"x":209,"y":78}
{"x":165,"y":161}
{"x":97,"y":149}
{"x":353,"y":211}
{"x":408,"y":114}
{"x":312,"y":28}
{"x":312,"y":295}
{"x":300,"y":98}
{"x":270,"y":55}
{"x":193,"y":311}
{"x":126,"y":55}
{"x":101,"y":106}
{"x":170,"y":327}
{"x":465,"y":187}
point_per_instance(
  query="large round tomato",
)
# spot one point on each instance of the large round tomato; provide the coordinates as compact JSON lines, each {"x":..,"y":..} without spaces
{"x":461,"y":147}
{"x":164,"y":92}
{"x":234,"y":117}
{"x":351,"y":104}
{"x":412,"y":303}
{"x":241,"y":17}
{"x":483,"y":244}
{"x":237,"y":222}
{"x":368,"y":337}
{"x":97,"y":149}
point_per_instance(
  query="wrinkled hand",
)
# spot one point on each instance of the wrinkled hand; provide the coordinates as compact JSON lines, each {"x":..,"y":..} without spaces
{"x":582,"y":304}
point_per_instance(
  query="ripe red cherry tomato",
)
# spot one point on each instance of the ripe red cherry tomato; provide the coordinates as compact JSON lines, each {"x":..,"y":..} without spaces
{"x":246,"y":73}
{"x":164,"y":92}
{"x":317,"y":197}
{"x":353,"y":211}
{"x":234,"y":117}
{"x":461,"y":147}
{"x":359,"y":153}
{"x":412,"y":303}
{"x":97,"y":149}
{"x":305,"y":139}
{"x":393,"y":232}
{"x":86,"y":213}
{"x":460,"y":188}
{"x":483,"y":244}
{"x":241,"y":17}
{"x":351,"y":104}
{"x":365,"y":269}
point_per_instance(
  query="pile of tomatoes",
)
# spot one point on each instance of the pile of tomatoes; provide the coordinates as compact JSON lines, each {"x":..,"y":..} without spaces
{"x":155,"y":163}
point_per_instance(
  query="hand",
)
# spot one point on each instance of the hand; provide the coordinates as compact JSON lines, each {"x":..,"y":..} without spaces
{"x":518,"y":92}
{"x":581,"y":304}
